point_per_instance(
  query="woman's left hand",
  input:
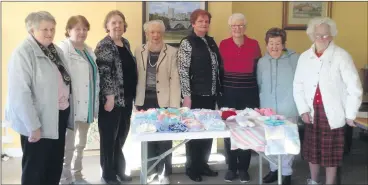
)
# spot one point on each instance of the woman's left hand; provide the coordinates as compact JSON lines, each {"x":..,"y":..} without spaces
{"x":35,"y":136}
{"x":350,"y":122}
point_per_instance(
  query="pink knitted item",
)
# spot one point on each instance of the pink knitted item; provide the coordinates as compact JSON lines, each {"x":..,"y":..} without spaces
{"x":265,"y":111}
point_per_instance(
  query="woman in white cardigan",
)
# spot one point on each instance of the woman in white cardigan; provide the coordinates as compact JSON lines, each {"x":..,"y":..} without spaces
{"x":40,"y":100}
{"x":84,"y":71}
{"x":328,"y":94}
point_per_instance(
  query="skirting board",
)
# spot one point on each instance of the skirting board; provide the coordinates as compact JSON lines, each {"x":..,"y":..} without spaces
{"x":13,"y":152}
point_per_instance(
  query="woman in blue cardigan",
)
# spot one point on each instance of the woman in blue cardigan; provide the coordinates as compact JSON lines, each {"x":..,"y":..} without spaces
{"x":275,"y":74}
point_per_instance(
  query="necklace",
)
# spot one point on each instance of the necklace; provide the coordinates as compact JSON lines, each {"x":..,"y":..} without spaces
{"x":149,"y":61}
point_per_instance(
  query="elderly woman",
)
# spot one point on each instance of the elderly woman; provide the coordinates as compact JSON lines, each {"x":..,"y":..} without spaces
{"x":118,"y":75}
{"x":328,"y":94}
{"x":200,"y":70}
{"x":39,"y":105}
{"x":240,"y":54}
{"x":83,"y":69}
{"x":158,"y":86}
{"x":275,"y":75}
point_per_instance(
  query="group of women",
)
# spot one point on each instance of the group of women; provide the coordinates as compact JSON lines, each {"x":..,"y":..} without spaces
{"x":57,"y":91}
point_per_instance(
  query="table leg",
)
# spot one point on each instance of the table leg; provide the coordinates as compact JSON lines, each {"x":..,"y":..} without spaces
{"x":338,"y":176}
{"x":163,"y":155}
{"x":143,"y":176}
{"x":279,"y":164}
{"x":260,"y":169}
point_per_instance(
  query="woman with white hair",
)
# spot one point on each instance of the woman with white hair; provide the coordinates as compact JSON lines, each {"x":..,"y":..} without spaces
{"x":158,"y":86}
{"x":240,"y":55}
{"x":328,"y":94}
{"x":39,"y":104}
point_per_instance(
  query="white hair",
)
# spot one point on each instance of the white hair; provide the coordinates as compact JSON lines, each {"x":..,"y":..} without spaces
{"x":237,"y":16}
{"x":148,"y":24}
{"x":34,"y":19}
{"x":318,"y":21}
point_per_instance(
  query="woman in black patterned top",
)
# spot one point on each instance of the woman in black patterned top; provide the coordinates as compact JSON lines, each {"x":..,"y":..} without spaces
{"x":200,"y":70}
{"x":118,"y":78}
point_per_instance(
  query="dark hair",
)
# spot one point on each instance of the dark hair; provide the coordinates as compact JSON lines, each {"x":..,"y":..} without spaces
{"x":199,"y":12}
{"x":276,"y":32}
{"x":74,"y":20}
{"x":112,"y":13}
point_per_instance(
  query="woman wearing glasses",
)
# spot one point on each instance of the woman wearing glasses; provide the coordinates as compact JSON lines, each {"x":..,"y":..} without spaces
{"x":40,"y":102}
{"x":240,"y":55}
{"x":328,"y":94}
{"x":275,"y":74}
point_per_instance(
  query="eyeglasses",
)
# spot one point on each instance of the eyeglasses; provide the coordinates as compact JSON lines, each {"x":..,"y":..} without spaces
{"x":321,"y":36}
{"x":237,"y":26}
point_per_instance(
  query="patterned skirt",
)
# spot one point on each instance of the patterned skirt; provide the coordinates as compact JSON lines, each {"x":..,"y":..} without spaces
{"x":322,"y":145}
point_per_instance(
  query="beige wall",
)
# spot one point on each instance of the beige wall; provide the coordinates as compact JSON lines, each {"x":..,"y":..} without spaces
{"x":351,"y":18}
{"x":14,"y":32}
{"x":13,"y":29}
{"x":220,"y":12}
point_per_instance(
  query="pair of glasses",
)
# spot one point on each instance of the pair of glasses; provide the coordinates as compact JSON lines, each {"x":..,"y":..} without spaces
{"x":321,"y":36}
{"x":237,"y":26}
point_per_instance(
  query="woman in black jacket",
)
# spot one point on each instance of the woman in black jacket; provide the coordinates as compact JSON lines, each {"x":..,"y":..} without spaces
{"x":118,"y":80}
{"x":201,"y":72}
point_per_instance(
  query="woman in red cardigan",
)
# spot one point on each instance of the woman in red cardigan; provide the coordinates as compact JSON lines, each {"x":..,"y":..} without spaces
{"x":240,"y":55}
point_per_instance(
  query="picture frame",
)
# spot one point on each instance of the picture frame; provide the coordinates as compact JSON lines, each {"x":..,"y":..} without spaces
{"x":175,"y":15}
{"x":296,"y":14}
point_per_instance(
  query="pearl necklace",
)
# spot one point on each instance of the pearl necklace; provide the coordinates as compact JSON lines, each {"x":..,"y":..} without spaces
{"x":149,"y":61}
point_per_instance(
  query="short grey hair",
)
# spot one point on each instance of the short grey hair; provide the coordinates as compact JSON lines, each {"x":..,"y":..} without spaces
{"x":237,"y":16}
{"x":148,"y":24}
{"x":318,"y":21}
{"x":34,"y":19}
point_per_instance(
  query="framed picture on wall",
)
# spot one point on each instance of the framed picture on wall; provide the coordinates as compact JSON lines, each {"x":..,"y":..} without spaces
{"x":297,"y":14}
{"x":175,"y":15}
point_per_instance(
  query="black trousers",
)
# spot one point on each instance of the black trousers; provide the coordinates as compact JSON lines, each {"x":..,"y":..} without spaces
{"x":42,"y":162}
{"x":156,"y":148}
{"x":113,"y":128}
{"x":348,"y":139}
{"x":199,"y":150}
{"x":238,"y":99}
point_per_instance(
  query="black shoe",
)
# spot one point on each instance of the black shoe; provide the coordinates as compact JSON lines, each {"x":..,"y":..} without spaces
{"x":194,"y":176}
{"x":244,"y":176}
{"x":267,"y":176}
{"x":270,"y":177}
{"x":111,"y":181}
{"x":230,"y":176}
{"x":286,"y":180}
{"x":208,"y":172}
{"x":124,"y":178}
